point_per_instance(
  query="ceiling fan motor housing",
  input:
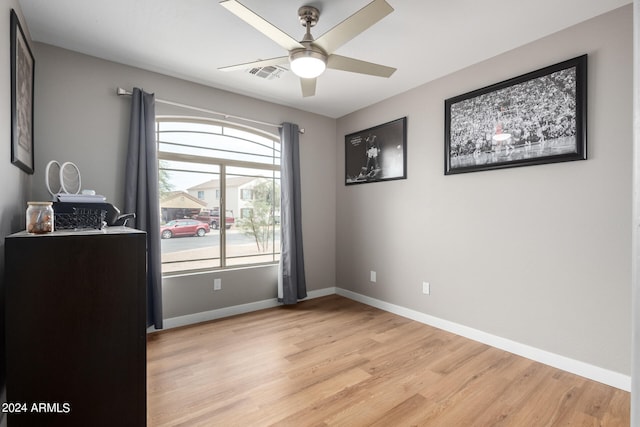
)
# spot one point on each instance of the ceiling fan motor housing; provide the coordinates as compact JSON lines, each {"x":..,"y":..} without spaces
{"x":308,"y":62}
{"x":309,"y":16}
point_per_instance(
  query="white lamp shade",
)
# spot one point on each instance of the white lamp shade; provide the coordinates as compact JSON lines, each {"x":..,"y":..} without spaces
{"x":307,"y":66}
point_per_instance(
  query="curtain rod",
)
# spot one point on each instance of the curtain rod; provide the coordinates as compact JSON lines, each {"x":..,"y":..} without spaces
{"x":121,"y":92}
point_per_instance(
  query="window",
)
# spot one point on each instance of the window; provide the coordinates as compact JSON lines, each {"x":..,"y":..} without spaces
{"x":207,"y":167}
{"x":246,"y":194}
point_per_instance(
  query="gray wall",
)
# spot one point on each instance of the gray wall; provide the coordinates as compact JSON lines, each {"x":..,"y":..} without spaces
{"x":16,"y":184}
{"x":539,"y":255}
{"x":81,"y":119}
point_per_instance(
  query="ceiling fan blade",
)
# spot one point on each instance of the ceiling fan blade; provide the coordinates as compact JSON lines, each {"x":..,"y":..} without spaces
{"x":260,"y":24}
{"x":343,"y":63}
{"x":353,"y":25}
{"x":308,"y":87}
{"x":281,"y":60}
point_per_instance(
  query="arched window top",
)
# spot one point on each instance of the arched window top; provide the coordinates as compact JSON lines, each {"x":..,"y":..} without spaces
{"x":216,"y":139}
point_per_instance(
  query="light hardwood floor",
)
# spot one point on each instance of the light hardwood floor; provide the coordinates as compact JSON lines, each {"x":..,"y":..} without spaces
{"x":334,"y":362}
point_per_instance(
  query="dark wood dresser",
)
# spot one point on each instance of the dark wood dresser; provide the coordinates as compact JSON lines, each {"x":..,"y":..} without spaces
{"x":76,"y":328}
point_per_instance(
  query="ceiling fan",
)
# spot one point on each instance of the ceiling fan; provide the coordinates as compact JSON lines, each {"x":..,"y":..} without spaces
{"x":309,"y":57}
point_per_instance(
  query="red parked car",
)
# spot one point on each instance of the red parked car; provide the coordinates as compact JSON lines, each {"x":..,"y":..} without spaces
{"x":184,"y":227}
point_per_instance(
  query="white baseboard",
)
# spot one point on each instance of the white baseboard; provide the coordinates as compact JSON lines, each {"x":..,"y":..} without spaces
{"x":219,"y":313}
{"x":595,"y":373}
{"x":577,"y":367}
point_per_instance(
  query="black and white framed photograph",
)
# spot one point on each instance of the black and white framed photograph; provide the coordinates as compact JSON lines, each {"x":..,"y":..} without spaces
{"x":539,"y":117}
{"x":377,"y":154}
{"x":22,"y":80}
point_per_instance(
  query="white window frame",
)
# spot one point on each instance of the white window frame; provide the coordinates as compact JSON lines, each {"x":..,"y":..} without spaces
{"x":222,"y":163}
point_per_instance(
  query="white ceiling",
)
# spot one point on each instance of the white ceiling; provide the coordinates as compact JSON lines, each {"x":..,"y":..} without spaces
{"x":190,"y":39}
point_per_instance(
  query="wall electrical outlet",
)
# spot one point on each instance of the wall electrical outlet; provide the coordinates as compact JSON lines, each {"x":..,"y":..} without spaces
{"x":426,"y":288}
{"x":217,"y":284}
{"x":373,"y":276}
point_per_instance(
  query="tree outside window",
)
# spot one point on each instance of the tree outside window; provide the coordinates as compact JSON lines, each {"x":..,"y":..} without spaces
{"x":260,"y":223}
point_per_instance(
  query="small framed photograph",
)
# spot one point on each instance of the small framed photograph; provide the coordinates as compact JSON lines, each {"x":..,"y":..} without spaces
{"x":536,"y":118}
{"x":22,"y":80}
{"x":377,"y":154}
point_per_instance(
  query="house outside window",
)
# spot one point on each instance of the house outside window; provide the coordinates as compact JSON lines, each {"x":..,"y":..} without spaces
{"x":206,"y":168}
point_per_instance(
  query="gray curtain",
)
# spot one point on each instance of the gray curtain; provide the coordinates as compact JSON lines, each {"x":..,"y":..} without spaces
{"x":141,"y":194}
{"x":291,"y":280}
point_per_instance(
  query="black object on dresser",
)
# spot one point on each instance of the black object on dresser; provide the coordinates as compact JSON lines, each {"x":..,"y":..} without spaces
{"x":76,"y":328}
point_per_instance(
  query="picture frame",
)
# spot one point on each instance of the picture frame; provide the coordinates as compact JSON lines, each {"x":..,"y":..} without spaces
{"x":377,"y":154}
{"x":536,"y":118}
{"x":22,"y":88}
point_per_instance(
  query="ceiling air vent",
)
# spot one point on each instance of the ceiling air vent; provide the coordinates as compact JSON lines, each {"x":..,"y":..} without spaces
{"x":268,"y":73}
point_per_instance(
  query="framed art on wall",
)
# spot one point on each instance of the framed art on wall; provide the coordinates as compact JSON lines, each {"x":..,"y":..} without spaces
{"x":22,"y":83}
{"x":377,"y":154}
{"x":536,"y":118}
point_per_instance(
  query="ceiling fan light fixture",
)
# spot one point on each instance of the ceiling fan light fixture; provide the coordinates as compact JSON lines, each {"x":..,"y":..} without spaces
{"x":307,"y":63}
{"x":308,"y":58}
